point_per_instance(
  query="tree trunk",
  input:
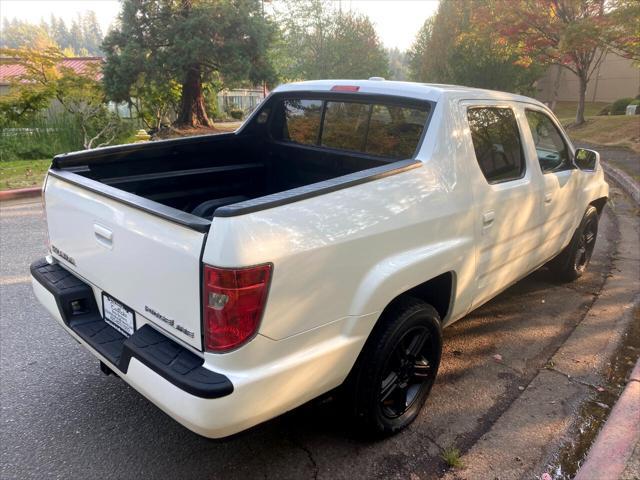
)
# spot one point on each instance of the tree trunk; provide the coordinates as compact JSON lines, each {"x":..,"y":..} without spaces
{"x":192,"y":111}
{"x":581,"y":99}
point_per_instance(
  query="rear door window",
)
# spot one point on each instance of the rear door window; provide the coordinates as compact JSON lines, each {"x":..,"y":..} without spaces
{"x":302,"y":121}
{"x":497,"y":143}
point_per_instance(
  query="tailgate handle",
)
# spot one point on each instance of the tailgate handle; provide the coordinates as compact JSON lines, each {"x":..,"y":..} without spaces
{"x":104,"y":236}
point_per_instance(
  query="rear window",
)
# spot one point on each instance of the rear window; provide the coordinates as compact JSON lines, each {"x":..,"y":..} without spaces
{"x":382,"y":130}
{"x":395,"y":131}
{"x":302,"y":121}
{"x":345,"y":125}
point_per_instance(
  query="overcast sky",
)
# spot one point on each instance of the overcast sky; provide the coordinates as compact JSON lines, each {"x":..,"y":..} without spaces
{"x":397,"y":21}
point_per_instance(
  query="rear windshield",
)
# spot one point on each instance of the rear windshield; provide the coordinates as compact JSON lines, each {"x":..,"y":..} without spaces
{"x":380,"y":129}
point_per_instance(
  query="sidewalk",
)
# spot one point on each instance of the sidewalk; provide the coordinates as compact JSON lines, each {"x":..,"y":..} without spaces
{"x":616,"y":452}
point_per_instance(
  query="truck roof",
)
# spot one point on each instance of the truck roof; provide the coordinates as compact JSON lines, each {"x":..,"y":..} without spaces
{"x":425,"y":91}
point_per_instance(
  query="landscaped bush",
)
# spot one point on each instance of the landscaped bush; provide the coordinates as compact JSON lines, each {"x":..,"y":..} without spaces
{"x":606,"y":110}
{"x":619,"y":106}
{"x":236,"y":113}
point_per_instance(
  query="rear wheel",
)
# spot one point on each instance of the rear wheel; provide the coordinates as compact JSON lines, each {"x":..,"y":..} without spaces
{"x":572,"y":262}
{"x":396,"y":369}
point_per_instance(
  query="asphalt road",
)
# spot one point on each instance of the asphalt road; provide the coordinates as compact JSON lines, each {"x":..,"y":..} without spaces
{"x":61,"y":418}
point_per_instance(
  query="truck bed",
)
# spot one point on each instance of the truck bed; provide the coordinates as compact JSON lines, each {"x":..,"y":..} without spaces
{"x":199,"y":175}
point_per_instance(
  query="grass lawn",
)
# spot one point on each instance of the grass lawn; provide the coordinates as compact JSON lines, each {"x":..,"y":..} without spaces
{"x":566,"y":111}
{"x":22,"y":173}
{"x":614,"y":130}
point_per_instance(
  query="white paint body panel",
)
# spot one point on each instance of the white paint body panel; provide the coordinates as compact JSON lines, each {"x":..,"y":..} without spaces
{"x":147,"y":262}
{"x":339,"y":258}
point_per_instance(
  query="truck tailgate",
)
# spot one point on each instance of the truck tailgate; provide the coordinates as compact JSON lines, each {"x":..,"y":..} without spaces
{"x":150,"y":264}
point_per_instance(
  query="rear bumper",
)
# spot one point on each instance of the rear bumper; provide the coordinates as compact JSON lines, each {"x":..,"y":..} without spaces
{"x":168,"y":374}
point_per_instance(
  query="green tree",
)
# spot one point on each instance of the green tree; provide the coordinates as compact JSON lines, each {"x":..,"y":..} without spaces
{"x":318,"y":41}
{"x":91,"y":33}
{"x":398,"y":64}
{"x":452,"y":47}
{"x":190,"y":42}
{"x":155,"y":102}
{"x":84,"y":37}
{"x":17,"y":34}
{"x":421,"y":64}
{"x":574,"y":34}
{"x":45,"y":80}
{"x":33,"y":91}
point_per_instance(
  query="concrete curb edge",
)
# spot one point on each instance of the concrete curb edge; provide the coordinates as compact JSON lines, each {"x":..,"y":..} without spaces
{"x":616,"y":441}
{"x":20,"y":193}
{"x":628,"y":184}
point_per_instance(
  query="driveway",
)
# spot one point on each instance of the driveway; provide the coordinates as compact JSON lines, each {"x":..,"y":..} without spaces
{"x":62,"y":418}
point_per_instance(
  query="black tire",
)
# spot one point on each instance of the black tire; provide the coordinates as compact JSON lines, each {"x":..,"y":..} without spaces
{"x":572,"y":262}
{"x":396,"y":368}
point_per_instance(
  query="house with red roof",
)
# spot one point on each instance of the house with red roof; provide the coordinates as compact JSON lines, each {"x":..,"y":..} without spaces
{"x":11,"y":69}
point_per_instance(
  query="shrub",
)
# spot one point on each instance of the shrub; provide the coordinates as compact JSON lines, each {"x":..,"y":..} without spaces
{"x":619,"y":106}
{"x":606,"y":110}
{"x":236,"y":113}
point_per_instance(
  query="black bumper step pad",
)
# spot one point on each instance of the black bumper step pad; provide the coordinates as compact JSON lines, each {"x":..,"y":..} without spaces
{"x":78,"y":308}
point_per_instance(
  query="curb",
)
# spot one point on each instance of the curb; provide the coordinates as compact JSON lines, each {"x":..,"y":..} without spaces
{"x":628,"y":184}
{"x":20,"y":193}
{"x":616,"y":441}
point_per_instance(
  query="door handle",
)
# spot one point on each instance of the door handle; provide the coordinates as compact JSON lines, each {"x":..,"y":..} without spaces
{"x":548,"y":198}
{"x":488,"y":218}
{"x":104,"y":236}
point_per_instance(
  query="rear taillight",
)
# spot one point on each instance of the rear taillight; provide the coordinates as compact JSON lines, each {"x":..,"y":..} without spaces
{"x":234,"y":300}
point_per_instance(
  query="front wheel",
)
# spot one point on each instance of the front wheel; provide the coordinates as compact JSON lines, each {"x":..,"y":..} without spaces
{"x":572,"y":262}
{"x":396,"y":369}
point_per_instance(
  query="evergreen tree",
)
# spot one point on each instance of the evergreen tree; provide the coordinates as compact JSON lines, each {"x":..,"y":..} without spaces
{"x":318,"y":41}
{"x":188,"y":41}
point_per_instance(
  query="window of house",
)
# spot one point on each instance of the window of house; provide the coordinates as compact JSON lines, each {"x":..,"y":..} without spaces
{"x":552,"y":151}
{"x":497,"y":143}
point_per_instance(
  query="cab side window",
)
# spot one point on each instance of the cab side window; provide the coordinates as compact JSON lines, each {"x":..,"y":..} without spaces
{"x":552,"y":151}
{"x":497,"y":144}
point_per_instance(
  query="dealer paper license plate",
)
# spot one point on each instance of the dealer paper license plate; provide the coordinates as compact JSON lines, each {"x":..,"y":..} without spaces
{"x":118,"y":315}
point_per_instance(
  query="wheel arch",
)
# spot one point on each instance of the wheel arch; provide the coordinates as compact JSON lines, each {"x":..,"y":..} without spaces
{"x":437,"y":291}
{"x":599,"y":203}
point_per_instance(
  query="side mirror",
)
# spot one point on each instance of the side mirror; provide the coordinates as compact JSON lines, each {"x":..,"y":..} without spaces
{"x":586,"y":159}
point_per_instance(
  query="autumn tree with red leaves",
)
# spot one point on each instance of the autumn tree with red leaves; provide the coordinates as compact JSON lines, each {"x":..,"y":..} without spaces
{"x":572,"y":33}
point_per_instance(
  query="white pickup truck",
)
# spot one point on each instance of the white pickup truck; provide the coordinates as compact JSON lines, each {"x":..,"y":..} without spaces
{"x":230,"y":278}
